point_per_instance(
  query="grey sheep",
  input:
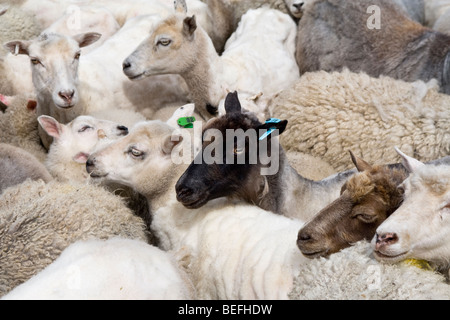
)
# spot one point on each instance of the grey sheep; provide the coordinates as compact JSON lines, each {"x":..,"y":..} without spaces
{"x":334,"y":34}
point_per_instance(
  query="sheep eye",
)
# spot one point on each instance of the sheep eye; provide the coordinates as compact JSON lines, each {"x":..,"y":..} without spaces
{"x":84,"y":128}
{"x":136,"y":153}
{"x":366,"y":218}
{"x":164,"y":42}
{"x":238,"y":150}
{"x":35,"y":61}
{"x":77,"y":56}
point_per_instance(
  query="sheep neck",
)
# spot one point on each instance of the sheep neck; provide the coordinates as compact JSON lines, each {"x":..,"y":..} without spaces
{"x":204,"y":78}
{"x":300,"y":197}
{"x":159,"y":194}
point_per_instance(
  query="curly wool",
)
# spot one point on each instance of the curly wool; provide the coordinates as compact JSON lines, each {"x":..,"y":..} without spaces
{"x":353,"y":274}
{"x":17,"y":24}
{"x":20,"y":127}
{"x":332,"y":113}
{"x":38,"y":221}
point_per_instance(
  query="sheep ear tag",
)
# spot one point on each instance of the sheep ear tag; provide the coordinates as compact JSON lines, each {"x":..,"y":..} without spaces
{"x":186,"y":122}
{"x":271,"y":125}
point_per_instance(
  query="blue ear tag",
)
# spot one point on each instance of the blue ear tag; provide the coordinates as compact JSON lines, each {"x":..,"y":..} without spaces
{"x":271,"y":129}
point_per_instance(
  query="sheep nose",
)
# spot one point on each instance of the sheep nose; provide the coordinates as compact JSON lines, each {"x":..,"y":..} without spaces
{"x":303,"y":236}
{"x":298,"y":5}
{"x":385,"y":240}
{"x":183,"y":192}
{"x":67,"y":95}
{"x":90,"y":165}
{"x":126,"y":65}
{"x":123,"y":130}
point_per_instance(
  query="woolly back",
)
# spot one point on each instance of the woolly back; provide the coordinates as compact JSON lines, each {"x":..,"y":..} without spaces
{"x":331,"y":113}
{"x":38,"y":221}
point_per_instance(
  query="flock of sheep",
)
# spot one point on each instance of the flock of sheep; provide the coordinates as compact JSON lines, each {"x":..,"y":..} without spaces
{"x":93,"y":205}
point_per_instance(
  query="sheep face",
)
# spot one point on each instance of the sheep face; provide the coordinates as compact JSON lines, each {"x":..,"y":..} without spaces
{"x":295,"y":7}
{"x":366,"y":200}
{"x":54,"y":61}
{"x":420,"y":228}
{"x":168,"y":50}
{"x":140,"y":159}
{"x":76,"y":140}
{"x":234,"y":169}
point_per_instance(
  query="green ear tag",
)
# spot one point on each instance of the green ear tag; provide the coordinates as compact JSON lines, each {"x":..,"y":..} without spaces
{"x":186,"y":122}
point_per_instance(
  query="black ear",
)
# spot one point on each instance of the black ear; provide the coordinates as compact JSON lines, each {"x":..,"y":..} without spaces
{"x":232,"y":103}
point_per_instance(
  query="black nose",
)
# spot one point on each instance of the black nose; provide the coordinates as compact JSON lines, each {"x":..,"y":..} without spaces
{"x":126,"y":65}
{"x":184,"y":192}
{"x":90,"y":165}
{"x":298,"y":5}
{"x":304,"y":236}
{"x":123,"y":130}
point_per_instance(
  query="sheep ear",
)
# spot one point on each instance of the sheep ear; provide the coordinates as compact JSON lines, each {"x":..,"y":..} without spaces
{"x":189,"y":26}
{"x":359,"y":163}
{"x":180,"y":6}
{"x":18,"y":47}
{"x":232,"y":103}
{"x":51,"y":126}
{"x":170,"y":142}
{"x":86,"y":39}
{"x":409,"y":163}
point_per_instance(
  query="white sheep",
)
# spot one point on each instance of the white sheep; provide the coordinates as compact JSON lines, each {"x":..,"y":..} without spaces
{"x":65,"y":90}
{"x":146,"y":96}
{"x":114,"y":269}
{"x":331,"y":113}
{"x":236,"y":251}
{"x":55,"y":76}
{"x":74,"y":142}
{"x":76,"y":20}
{"x":419,"y":228}
{"x":354,"y":274}
{"x":251,"y":64}
{"x":18,"y":165}
{"x":38,"y":221}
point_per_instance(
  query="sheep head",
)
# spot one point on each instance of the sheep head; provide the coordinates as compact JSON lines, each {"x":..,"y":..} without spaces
{"x":235,"y":151}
